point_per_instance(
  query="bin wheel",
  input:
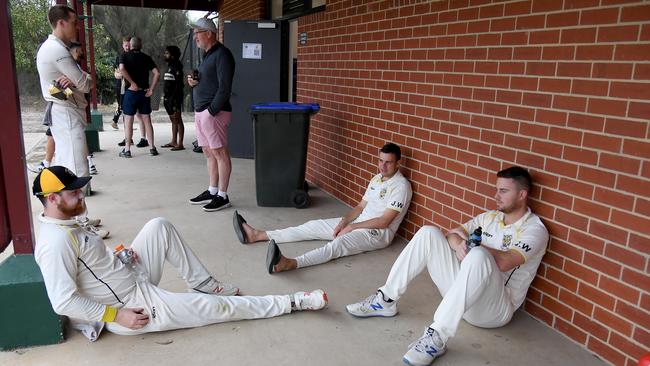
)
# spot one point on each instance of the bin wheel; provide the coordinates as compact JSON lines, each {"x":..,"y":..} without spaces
{"x":300,"y":199}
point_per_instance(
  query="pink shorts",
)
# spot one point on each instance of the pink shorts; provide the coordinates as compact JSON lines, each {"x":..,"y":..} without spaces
{"x":212,"y":131}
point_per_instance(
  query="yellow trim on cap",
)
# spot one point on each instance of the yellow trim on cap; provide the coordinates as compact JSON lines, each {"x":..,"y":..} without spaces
{"x":50,"y":183}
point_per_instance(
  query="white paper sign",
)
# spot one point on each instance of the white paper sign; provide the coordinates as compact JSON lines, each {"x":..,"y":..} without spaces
{"x":252,"y":51}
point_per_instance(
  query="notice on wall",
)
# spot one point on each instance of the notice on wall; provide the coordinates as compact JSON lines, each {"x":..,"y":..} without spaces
{"x":252,"y":51}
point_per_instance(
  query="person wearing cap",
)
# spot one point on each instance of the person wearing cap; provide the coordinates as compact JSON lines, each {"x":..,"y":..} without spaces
{"x":58,"y":70}
{"x":211,"y":86}
{"x":370,"y":225}
{"x":85,"y":280}
{"x":135,"y":66}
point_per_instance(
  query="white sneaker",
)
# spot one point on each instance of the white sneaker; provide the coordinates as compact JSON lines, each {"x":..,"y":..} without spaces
{"x":94,"y":222}
{"x":100,"y":232}
{"x":214,"y":287}
{"x":314,"y":300}
{"x":373,"y":305}
{"x":426,"y":349}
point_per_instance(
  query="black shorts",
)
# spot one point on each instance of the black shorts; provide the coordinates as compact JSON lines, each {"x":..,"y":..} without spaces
{"x":48,"y":132}
{"x":172,"y":105}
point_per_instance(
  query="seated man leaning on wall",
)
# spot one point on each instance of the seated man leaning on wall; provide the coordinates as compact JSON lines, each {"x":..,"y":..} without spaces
{"x":371,"y":225}
{"x":483,"y":285}
{"x":85,"y":281}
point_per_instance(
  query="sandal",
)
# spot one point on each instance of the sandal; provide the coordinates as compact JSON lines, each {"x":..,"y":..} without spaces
{"x":167,"y":145}
{"x":177,"y":148}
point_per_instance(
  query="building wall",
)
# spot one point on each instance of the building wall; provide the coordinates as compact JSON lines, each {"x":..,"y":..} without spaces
{"x":469,"y":87}
{"x":244,"y":9}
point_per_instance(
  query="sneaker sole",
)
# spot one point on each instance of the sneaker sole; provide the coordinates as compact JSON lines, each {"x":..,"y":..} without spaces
{"x":371,"y":315}
{"x":216,"y":209}
{"x":204,"y":202}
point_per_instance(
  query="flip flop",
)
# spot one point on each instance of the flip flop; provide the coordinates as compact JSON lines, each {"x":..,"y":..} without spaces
{"x":272,"y":256}
{"x":238,"y":224}
{"x":177,"y":148}
{"x":167,"y":145}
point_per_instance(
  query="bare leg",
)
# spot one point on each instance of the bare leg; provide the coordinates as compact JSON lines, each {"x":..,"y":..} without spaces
{"x":180,"y":129}
{"x":128,"y":132}
{"x":222,"y":158}
{"x":146,"y":120}
{"x":285,"y":264}
{"x":49,"y":149}
{"x":253,"y":235}
{"x":213,"y":171}
{"x":172,"y":118}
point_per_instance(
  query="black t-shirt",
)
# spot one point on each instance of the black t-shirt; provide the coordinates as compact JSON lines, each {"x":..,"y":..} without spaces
{"x":173,"y":81}
{"x":138,"y":65}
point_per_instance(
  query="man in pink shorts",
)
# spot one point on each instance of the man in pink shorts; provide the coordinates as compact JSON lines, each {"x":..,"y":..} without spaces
{"x":211,"y":85}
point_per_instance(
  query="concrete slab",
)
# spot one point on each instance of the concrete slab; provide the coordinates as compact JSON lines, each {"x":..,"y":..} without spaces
{"x":128,"y":192}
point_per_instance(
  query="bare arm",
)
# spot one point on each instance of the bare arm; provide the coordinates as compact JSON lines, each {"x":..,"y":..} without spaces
{"x":154,"y":81}
{"x":353,"y":214}
{"x":457,"y":239}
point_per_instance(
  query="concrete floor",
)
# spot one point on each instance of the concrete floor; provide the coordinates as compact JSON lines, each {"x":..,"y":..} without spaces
{"x":128,"y":192}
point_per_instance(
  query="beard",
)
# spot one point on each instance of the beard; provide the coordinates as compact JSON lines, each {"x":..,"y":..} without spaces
{"x":72,"y":211}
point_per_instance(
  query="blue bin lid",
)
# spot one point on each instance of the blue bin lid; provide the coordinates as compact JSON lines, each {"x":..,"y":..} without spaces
{"x":286,"y":106}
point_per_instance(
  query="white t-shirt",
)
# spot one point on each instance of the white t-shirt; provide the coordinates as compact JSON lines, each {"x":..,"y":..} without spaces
{"x":394,"y":194}
{"x":528,"y":236}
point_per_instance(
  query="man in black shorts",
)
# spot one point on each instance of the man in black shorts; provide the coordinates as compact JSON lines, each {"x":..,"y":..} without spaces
{"x":173,"y":96}
{"x":135,"y":66}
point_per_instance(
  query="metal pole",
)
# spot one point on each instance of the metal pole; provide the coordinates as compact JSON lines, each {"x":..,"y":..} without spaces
{"x":16,"y":213}
{"x":91,"y":53}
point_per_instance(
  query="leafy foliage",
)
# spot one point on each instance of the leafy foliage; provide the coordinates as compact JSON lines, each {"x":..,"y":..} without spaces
{"x":30,"y":29}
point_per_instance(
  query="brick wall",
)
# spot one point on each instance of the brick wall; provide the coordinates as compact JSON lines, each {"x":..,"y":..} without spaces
{"x":243,"y":9}
{"x":468,"y":87}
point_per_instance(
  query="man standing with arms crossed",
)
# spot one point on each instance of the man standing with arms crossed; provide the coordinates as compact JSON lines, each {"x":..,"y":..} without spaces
{"x":211,"y":87}
{"x":68,"y":113}
{"x":135,"y":66}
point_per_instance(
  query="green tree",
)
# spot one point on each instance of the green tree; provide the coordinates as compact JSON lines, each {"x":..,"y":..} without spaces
{"x":30,"y":28}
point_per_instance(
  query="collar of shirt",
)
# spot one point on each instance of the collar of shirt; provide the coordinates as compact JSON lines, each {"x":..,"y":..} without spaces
{"x":50,"y":220}
{"x":518,"y":223}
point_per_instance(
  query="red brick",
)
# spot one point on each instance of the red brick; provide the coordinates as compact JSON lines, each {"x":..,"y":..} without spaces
{"x":642,"y":207}
{"x":530,"y":21}
{"x":599,"y":16}
{"x":512,"y":68}
{"x":578,"y":4}
{"x":607,"y":107}
{"x":639,"y":110}
{"x":612,"y":70}
{"x":632,"y":222}
{"x":634,"y":314}
{"x":527,"y":53}
{"x":620,"y":163}
{"x":544,"y":37}
{"x":619,"y":289}
{"x":610,"y":354}
{"x":578,"y":35}
{"x":591,"y":326}
{"x":557,"y":198}
{"x":639,"y":243}
{"x":633,"y":185}
{"x":598,"y":52}
{"x":524,"y":83}
{"x":601,"y":142}
{"x":539,"y":313}
{"x":570,"y":331}
{"x":579,"y":155}
{"x":636,"y":279}
{"x":562,"y":168}
{"x":590,"y":87}
{"x":566,"y":136}
{"x":642,"y":337}
{"x":581,"y":272}
{"x":635,"y":13}
{"x":574,"y":69}
{"x":517,"y":8}
{"x":547,"y":148}
{"x":565,"y":249}
{"x":630,"y":90}
{"x":545,"y":286}
{"x":587,"y":122}
{"x":632,"y":52}
{"x":592,"y":209}
{"x":597,"y":296}
{"x":608,"y":232}
{"x":556,"y":53}
{"x":623,"y":33}
{"x":642,"y":72}
{"x":576,"y":187}
{"x":627,"y":347}
{"x":557,"y":307}
{"x":556,"y":230}
{"x":613,"y":321}
{"x":613,"y":198}
{"x":541,"y":6}
{"x":571,"y":103}
{"x":571,"y":219}
{"x":555,"y":85}
{"x":564,"y":19}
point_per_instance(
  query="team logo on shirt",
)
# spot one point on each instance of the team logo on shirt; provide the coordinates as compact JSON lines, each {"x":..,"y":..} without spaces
{"x":523,"y":246}
{"x":507,"y":240}
{"x":397,"y":204}
{"x":382,"y":193}
{"x":374,"y":232}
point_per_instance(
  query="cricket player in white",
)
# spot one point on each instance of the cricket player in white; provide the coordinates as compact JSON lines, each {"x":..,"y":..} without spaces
{"x":484,"y":285}
{"x":85,"y":281}
{"x":68,"y":116}
{"x":371,"y":225}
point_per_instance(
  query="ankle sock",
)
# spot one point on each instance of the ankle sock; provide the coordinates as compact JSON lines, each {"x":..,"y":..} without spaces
{"x":222,"y":194}
{"x":213,"y":190}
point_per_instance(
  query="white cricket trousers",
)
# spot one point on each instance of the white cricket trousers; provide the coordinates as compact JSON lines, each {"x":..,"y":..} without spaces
{"x":68,"y":131}
{"x":472,"y":289}
{"x":159,"y":241}
{"x":354,"y":242}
